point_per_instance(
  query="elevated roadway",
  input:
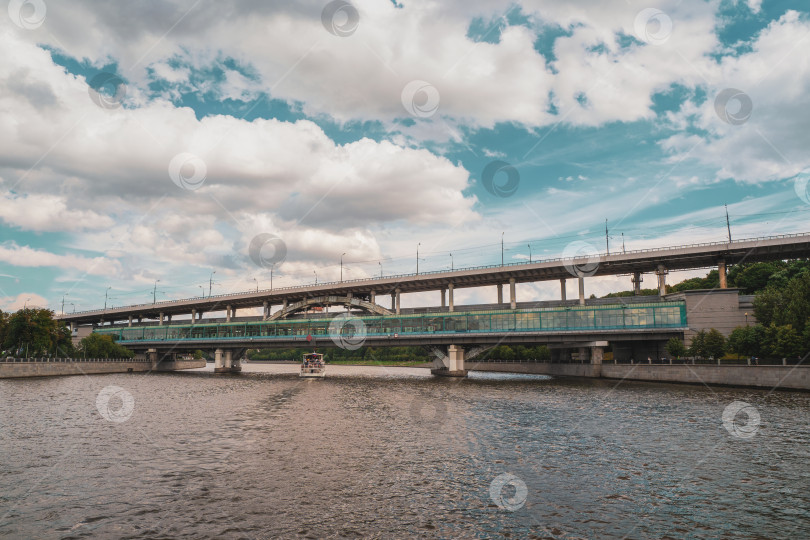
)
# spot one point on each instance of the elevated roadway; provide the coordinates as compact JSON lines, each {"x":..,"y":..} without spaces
{"x":364,"y":293}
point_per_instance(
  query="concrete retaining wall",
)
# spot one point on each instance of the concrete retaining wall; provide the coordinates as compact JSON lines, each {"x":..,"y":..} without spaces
{"x":10,"y":370}
{"x":562,"y":370}
{"x":792,"y":377}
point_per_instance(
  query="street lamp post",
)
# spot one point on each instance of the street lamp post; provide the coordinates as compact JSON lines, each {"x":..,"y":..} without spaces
{"x":25,"y":304}
{"x":530,"y":253}
{"x":271,"y":276}
{"x":202,"y":291}
{"x":451,"y":262}
{"x":316,"y":276}
{"x":341,"y":268}
{"x":211,"y":283}
{"x":257,"y":284}
{"x":501,"y":249}
{"x":417,"y":257}
{"x":105,"y":297}
{"x":380,"y":263}
{"x":154,"y":292}
{"x":74,"y":307}
{"x":63,"y":303}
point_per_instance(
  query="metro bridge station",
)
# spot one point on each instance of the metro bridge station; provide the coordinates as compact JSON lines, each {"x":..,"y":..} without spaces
{"x":635,"y":327}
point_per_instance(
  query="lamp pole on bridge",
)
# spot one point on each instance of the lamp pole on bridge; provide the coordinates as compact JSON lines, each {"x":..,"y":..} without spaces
{"x":74,"y":307}
{"x":257,"y":284}
{"x":271,"y":276}
{"x":316,"y":276}
{"x":105,"y":296}
{"x":417,"y":257}
{"x":202,"y":291}
{"x":63,"y":303}
{"x":154,"y":292}
{"x":25,"y":304}
{"x":501,"y":249}
{"x":451,"y":262}
{"x":211,"y":283}
{"x":530,"y":253}
{"x":380,"y":263}
{"x":341,"y":268}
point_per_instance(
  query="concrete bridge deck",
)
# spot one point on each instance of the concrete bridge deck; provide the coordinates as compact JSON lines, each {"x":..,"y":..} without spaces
{"x":659,"y":261}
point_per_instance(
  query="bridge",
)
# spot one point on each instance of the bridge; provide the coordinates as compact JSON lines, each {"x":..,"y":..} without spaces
{"x":634,"y":329}
{"x":364,"y":294}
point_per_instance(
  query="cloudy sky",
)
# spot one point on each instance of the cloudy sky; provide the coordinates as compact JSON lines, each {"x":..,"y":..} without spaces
{"x":144,"y":141}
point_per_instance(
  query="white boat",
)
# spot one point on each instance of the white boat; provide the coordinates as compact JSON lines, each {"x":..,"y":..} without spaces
{"x":312,"y":366}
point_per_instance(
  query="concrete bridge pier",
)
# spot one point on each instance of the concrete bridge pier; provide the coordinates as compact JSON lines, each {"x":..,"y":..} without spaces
{"x":581,"y":291}
{"x":451,"y":365}
{"x":152,"y":357}
{"x":500,"y":293}
{"x":450,"y":296}
{"x":721,"y":271}
{"x":562,"y":289}
{"x":662,"y":279}
{"x":224,"y":362}
{"x":636,"y":279}
{"x":512,"y":295}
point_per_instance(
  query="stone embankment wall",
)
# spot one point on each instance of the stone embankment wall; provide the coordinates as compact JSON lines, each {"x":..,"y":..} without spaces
{"x":791,"y":377}
{"x":86,"y":367}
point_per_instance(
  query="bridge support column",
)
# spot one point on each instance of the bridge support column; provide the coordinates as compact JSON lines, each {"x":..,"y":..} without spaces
{"x":139,"y":320}
{"x":636,"y":279}
{"x":393,"y":301}
{"x":450,"y":296}
{"x":562,"y":289}
{"x":500,"y":293}
{"x":444,"y":293}
{"x":169,"y":318}
{"x":581,"y":291}
{"x":372,"y":296}
{"x":227,"y":313}
{"x":662,"y":279}
{"x":721,"y":271}
{"x":160,"y":319}
{"x":265,"y":311}
{"x":224,"y":362}
{"x":451,"y":365}
{"x":398,"y":295}
{"x":236,"y":364}
{"x":152,"y":357}
{"x":512,"y":296}
{"x":193,"y":316}
{"x":72,"y":327}
{"x":129,"y":323}
{"x":597,"y":354}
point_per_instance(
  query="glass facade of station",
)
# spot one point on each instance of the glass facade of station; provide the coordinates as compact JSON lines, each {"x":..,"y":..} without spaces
{"x":579,"y":318}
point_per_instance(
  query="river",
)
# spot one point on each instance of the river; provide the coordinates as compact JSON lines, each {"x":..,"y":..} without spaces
{"x":395,"y":452}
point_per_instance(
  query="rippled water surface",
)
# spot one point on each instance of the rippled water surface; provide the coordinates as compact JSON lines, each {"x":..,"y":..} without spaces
{"x":394,"y":452}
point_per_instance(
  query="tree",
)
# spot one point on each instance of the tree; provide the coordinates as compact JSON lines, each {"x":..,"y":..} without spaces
{"x":788,"y":342}
{"x":34,"y":332}
{"x":676,"y":348}
{"x":746,"y":340}
{"x":103,"y":346}
{"x":715,"y":344}
{"x":698,"y":345}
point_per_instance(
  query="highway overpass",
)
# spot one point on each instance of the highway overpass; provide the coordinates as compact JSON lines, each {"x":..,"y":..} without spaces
{"x":364,"y":294}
